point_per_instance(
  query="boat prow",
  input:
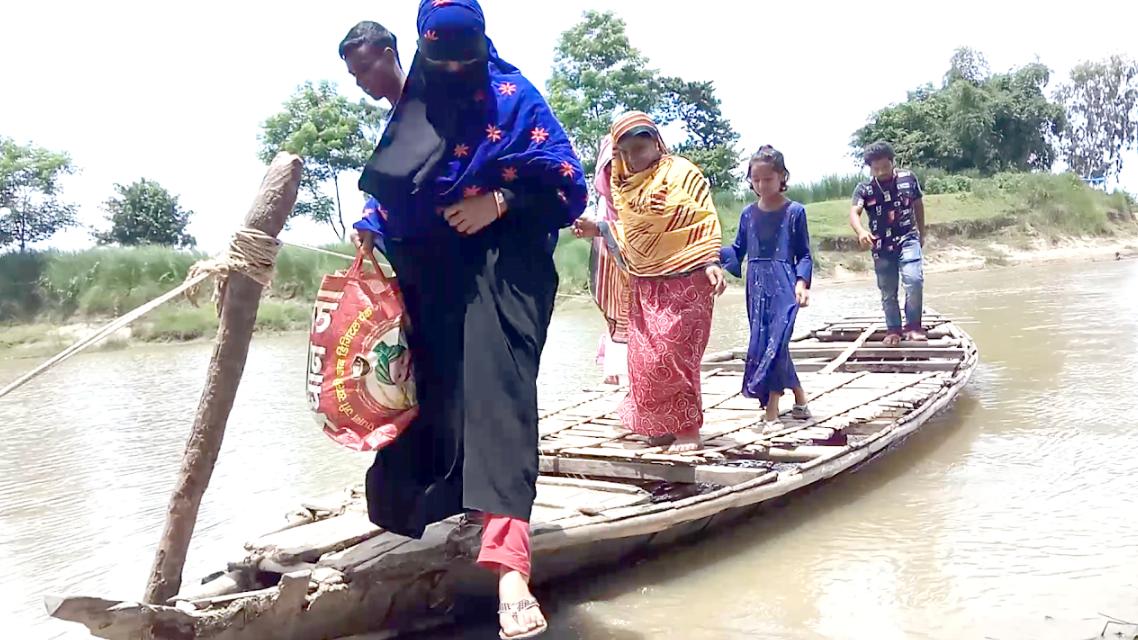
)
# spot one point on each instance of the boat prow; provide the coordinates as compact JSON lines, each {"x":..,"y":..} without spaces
{"x":604,"y":494}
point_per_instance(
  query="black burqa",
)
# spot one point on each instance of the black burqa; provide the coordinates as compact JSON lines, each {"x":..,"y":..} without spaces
{"x":478,"y":308}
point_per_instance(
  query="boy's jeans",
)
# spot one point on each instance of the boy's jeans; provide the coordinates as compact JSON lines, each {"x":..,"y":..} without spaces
{"x":908,"y":268}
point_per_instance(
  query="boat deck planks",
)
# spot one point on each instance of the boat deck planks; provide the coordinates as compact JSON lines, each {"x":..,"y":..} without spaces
{"x":600,"y":484}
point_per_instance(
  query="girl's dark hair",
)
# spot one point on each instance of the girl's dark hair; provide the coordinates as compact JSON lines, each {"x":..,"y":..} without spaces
{"x":769,"y":155}
{"x":370,"y":33}
{"x":878,"y":151}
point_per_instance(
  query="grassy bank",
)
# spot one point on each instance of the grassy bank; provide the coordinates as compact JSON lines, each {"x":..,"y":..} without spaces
{"x":1021,"y":210}
{"x":45,"y":290}
{"x":41,"y":292}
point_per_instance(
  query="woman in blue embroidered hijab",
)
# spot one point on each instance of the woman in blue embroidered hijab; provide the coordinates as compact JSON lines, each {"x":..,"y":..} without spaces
{"x":477,"y":177}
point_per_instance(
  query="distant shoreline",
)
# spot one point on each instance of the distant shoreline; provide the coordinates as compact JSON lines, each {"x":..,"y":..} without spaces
{"x":38,"y":340}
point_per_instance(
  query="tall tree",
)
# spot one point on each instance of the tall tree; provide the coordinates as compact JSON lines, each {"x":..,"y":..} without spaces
{"x":30,"y":207}
{"x":144,"y":212}
{"x":333,"y":135}
{"x":1101,"y":99}
{"x":711,"y":142}
{"x":976,"y":121}
{"x":967,"y":64}
{"x":597,"y":75}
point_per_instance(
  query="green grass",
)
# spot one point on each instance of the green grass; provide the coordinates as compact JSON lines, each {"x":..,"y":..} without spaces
{"x":40,"y":290}
{"x":180,"y":322}
{"x":22,"y":335}
{"x":832,"y":187}
{"x":1012,"y":207}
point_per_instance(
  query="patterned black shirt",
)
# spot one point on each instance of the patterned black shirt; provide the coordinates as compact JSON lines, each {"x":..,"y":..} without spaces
{"x":889,"y":206}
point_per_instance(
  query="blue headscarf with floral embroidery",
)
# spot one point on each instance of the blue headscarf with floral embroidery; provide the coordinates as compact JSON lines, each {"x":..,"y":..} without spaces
{"x":456,"y":135}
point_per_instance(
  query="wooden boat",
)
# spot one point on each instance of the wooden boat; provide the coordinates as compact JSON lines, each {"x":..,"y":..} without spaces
{"x":604,"y":495}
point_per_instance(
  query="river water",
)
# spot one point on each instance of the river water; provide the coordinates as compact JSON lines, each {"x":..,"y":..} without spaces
{"x":1013,"y":516}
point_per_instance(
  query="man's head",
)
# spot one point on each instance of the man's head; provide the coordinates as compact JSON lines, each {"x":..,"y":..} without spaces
{"x":370,"y":51}
{"x":879,"y":158}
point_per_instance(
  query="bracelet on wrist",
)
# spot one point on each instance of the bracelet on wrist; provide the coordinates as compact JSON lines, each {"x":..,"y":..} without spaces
{"x":500,"y":203}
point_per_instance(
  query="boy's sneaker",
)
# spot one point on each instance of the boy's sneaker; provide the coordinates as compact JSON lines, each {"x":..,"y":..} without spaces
{"x":801,"y":412}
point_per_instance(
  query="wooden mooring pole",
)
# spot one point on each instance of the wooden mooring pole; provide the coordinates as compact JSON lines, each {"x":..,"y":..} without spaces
{"x":241,"y":298}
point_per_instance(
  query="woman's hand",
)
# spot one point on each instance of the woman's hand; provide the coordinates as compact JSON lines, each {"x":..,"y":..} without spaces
{"x":715,"y":276}
{"x":802,"y":294}
{"x":586,"y":228}
{"x":472,"y":215}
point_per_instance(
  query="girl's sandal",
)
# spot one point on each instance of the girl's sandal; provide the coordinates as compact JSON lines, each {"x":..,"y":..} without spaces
{"x":514,"y":609}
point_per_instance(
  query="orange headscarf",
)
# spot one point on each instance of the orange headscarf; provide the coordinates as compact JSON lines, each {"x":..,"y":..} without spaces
{"x":667,"y":220}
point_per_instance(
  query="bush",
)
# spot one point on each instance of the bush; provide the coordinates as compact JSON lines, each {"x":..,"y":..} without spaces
{"x":177,"y":323}
{"x":110,"y":281}
{"x":947,"y":184}
{"x":275,"y":315}
{"x":831,"y":187}
{"x":1061,"y":203}
{"x":20,"y":297}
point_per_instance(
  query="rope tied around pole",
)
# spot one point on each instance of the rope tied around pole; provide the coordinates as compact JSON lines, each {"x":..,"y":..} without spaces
{"x":251,"y":252}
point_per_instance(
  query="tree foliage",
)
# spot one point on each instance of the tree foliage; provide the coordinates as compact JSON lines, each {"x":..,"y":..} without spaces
{"x":144,"y":212}
{"x":976,"y":121}
{"x":333,"y":135}
{"x":598,"y":75}
{"x":711,"y":142}
{"x":969,"y":65}
{"x":30,"y":207}
{"x":1101,"y":100}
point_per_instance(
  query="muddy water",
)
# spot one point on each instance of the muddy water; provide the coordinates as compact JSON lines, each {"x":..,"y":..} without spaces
{"x":1014,"y":516}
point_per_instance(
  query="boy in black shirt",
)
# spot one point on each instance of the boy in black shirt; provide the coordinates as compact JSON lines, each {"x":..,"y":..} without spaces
{"x":892,"y":201}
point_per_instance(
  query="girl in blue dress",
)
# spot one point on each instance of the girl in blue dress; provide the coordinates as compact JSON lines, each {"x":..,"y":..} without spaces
{"x":774,"y":241}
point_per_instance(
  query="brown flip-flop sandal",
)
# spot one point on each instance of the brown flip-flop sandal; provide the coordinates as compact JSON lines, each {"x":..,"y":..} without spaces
{"x":516,"y":608}
{"x":891,"y":340}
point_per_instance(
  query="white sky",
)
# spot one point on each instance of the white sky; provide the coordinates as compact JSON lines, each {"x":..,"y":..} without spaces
{"x":176,"y":92}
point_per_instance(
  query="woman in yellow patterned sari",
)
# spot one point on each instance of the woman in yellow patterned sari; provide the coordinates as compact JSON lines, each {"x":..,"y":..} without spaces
{"x":667,"y":237}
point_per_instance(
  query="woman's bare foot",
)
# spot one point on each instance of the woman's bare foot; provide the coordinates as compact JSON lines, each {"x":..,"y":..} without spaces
{"x":686,"y":442}
{"x":518,"y":612}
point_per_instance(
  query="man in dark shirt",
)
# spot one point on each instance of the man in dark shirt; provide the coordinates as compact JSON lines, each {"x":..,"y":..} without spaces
{"x":369,"y":50}
{"x":893,"y":203}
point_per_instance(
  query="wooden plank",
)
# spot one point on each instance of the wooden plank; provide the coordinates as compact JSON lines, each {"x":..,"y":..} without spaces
{"x":308,"y":542}
{"x":830,"y":384}
{"x":586,"y":483}
{"x":115,"y":619}
{"x":546,"y":514}
{"x":820,"y":418}
{"x":542,"y":433}
{"x":845,"y":355}
{"x":647,"y":471}
{"x":349,"y":559}
{"x":878,"y":352}
{"x":593,"y":395}
{"x":916,"y":366}
{"x":624,"y":432}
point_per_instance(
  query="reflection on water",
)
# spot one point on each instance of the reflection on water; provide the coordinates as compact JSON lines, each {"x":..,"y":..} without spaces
{"x":1013,"y":516}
